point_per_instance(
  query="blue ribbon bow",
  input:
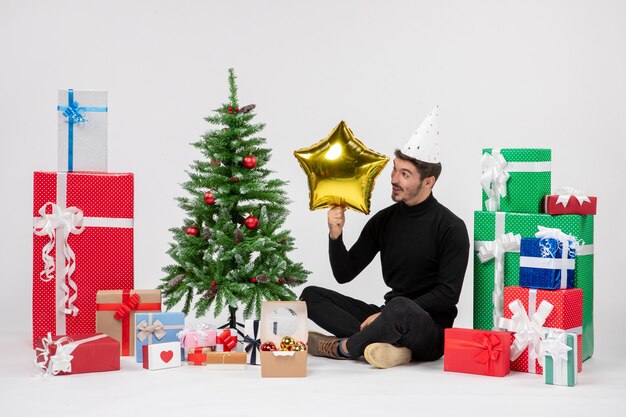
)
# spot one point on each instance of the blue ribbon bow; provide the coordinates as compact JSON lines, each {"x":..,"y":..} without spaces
{"x":74,"y":113}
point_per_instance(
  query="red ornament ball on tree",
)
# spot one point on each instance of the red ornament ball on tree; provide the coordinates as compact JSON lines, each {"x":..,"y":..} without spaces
{"x":208,"y":198}
{"x":213,"y":283}
{"x":234,"y":179}
{"x":253,"y":280}
{"x":280,"y":281}
{"x":252,"y":222}
{"x":249,"y":161}
{"x":192,"y":231}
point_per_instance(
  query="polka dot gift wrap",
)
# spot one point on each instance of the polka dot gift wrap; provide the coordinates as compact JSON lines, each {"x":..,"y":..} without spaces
{"x":489,"y":225}
{"x":515,"y":180}
{"x":95,"y":211}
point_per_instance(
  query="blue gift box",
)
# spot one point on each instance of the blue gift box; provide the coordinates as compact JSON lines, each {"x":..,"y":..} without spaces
{"x":152,"y":328}
{"x":546,"y":264}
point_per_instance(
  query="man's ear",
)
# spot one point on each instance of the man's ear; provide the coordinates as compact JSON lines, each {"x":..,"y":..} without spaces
{"x":430,"y":181}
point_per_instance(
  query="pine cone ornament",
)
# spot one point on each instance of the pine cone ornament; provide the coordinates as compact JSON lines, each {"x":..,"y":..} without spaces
{"x":238,"y":235}
{"x":247,"y":109}
{"x":262,"y":279}
{"x":176,"y":280}
{"x":290,"y":279}
{"x":211,"y":292}
{"x":206,"y":233}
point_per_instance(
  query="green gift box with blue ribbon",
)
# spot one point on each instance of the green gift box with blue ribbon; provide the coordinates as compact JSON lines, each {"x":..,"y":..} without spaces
{"x":497,"y":237}
{"x":82,"y":130}
{"x":515,"y":180}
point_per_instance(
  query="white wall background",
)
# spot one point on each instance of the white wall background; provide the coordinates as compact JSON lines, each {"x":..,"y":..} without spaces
{"x":504,"y":73}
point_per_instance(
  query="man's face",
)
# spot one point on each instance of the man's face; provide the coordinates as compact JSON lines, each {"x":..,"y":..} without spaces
{"x":406,"y":183}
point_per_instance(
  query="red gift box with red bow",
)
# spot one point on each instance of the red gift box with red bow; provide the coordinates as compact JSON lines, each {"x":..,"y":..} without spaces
{"x":226,"y":340}
{"x":480,"y":352}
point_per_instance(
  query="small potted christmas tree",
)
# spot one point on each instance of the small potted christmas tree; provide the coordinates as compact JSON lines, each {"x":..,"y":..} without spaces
{"x":231,"y":251}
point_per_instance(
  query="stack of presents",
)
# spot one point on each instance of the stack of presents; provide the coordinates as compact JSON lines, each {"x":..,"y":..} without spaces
{"x":533,"y":274}
{"x":86,"y":312}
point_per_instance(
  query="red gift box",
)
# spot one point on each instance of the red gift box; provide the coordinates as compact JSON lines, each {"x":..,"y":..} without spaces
{"x":566,"y":314}
{"x":77,"y":354}
{"x":82,"y":243}
{"x":226,"y":340}
{"x":569,"y":204}
{"x":480,"y":352}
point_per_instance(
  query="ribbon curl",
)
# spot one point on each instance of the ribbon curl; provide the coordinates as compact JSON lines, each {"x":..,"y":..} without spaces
{"x":494,"y":179}
{"x":568,"y":244}
{"x":496,"y":249}
{"x":68,"y":221}
{"x":61,"y":361}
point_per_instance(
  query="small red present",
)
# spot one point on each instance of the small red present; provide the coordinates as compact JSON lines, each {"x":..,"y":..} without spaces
{"x":77,"y":354}
{"x":569,"y":201}
{"x":530,"y":313}
{"x":480,"y":352}
{"x":226,"y":340}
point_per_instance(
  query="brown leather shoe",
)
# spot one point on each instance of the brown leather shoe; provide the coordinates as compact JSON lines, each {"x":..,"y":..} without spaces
{"x":385,"y":355}
{"x":324,"y":345}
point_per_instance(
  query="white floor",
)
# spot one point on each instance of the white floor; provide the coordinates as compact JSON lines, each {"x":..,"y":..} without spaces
{"x":332,"y":388}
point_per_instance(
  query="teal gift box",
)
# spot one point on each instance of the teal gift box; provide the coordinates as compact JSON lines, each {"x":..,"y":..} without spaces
{"x":152,"y":328}
{"x":489,"y":229}
{"x":561,"y":351}
{"x":515,"y":180}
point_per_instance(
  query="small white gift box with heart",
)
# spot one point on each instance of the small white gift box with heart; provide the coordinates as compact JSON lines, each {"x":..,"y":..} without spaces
{"x":161,"y":356}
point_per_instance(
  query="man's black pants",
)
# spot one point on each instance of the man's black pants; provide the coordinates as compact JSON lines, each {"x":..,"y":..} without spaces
{"x":401,"y":322}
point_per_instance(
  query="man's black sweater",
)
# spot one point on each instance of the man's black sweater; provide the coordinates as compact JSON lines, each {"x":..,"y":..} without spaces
{"x":424,"y":251}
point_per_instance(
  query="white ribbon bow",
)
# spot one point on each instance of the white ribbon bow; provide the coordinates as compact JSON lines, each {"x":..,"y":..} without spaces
{"x":493,"y":179}
{"x":61,"y":361}
{"x":566,"y":193}
{"x":496,"y":249}
{"x":69,"y":220}
{"x":528,"y":331}
{"x":555,"y":345}
{"x":145,"y":330}
{"x":567,"y":242}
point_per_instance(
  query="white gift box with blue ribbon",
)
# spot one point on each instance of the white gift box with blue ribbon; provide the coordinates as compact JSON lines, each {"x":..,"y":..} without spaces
{"x":548,"y":261}
{"x":82,"y":135}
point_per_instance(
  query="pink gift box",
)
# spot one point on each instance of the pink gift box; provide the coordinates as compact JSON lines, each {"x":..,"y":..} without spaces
{"x":198,"y":336}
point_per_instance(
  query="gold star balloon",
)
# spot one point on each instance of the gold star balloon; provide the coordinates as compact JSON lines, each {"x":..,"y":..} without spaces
{"x":341,"y":170}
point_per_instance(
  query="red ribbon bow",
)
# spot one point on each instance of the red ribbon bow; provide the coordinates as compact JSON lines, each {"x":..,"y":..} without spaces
{"x":490,"y":349}
{"x":229,"y":341}
{"x":125,"y":308}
